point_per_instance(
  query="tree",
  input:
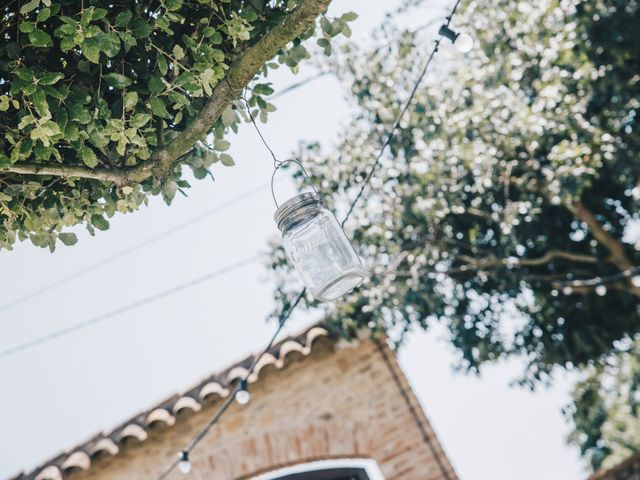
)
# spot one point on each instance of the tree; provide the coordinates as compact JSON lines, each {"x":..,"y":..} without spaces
{"x":606,"y":407}
{"x":515,"y":171}
{"x":102,"y":103}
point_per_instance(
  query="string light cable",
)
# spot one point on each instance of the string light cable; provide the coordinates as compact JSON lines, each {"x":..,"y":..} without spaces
{"x":403,"y":111}
{"x":240,"y":393}
{"x":182,"y":461}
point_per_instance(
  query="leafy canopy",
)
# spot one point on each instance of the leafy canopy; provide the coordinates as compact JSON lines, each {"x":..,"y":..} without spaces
{"x":516,"y":168}
{"x":102,"y":103}
{"x":606,"y":408}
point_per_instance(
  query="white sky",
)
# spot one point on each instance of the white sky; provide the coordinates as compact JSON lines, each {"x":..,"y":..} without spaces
{"x":63,"y":392}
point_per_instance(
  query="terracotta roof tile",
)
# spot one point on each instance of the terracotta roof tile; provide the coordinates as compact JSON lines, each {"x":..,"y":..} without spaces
{"x":166,"y":412}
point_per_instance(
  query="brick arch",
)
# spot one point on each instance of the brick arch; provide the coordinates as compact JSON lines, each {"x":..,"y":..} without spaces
{"x":301,"y":462}
{"x":275,"y":448}
{"x":320,"y":465}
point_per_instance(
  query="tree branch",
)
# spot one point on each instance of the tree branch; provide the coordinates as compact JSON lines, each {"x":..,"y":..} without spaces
{"x":618,"y":255}
{"x":615,"y":247}
{"x":493,"y":262}
{"x":240,"y":73}
{"x":103,"y":174}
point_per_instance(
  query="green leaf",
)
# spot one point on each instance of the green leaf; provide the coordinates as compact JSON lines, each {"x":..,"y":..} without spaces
{"x":349,"y":16}
{"x":221,"y":145}
{"x":227,"y":160}
{"x":65,"y":29}
{"x":25,"y":121}
{"x":263,"y":89}
{"x":27,"y":27}
{"x":29,"y":6}
{"x":326,"y":25}
{"x":159,"y":108}
{"x":79,"y":113}
{"x":39,"y":100}
{"x":155,"y":84}
{"x":44,"y":14}
{"x":91,"y":50}
{"x":71,"y":132}
{"x":40,"y":38}
{"x":29,"y":89}
{"x":139,"y":120}
{"x":98,"y":14}
{"x":100,"y":222}
{"x":140,"y":29}
{"x":130,"y":100}
{"x":51,"y":78}
{"x":88,"y":156}
{"x":67,"y":44}
{"x":127,"y":39}
{"x":4,"y":160}
{"x":117,"y":80}
{"x":108,"y":43}
{"x":39,"y":239}
{"x":169,"y":191}
{"x":4,"y":103}
{"x":123,"y":19}
{"x":178,"y":52}
{"x":173,"y":5}
{"x":87,"y":15}
{"x":228,"y":116}
{"x":68,"y":238}
{"x":162,"y":64}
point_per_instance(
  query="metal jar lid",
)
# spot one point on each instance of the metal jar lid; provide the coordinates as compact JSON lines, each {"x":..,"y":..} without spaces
{"x":297,"y":206}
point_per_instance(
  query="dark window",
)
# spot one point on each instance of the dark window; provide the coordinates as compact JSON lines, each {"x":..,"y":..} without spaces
{"x":329,"y":474}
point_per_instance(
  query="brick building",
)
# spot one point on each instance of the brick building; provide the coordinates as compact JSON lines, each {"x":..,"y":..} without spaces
{"x":318,"y":411}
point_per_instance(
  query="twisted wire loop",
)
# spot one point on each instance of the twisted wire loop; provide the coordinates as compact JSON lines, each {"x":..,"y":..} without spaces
{"x":277,"y":164}
{"x":304,"y":172}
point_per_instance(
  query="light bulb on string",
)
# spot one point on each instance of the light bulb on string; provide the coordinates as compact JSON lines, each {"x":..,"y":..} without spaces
{"x":601,"y":290}
{"x":464,"y":42}
{"x":635,"y":280}
{"x":242,"y":395}
{"x":568,"y":290}
{"x":185,"y":465}
{"x":461,"y":40}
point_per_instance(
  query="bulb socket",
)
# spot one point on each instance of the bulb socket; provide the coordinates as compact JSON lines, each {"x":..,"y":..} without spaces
{"x":448,"y":33}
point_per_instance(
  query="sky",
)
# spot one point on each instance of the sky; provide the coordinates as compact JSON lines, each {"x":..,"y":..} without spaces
{"x":60,"y":393}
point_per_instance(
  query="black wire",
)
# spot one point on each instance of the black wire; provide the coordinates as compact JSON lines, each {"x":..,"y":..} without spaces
{"x":123,"y":253}
{"x":131,"y":306}
{"x":276,"y":162}
{"x":396,"y":123}
{"x":284,"y":316}
{"x":287,"y":313}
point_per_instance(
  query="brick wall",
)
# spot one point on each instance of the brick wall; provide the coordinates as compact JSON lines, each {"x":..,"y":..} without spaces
{"x":331,"y":404}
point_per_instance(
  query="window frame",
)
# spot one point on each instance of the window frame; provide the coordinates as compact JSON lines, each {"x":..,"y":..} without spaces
{"x":368,"y":466}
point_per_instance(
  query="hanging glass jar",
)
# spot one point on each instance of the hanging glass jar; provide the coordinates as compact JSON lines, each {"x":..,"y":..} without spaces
{"x":317,"y":246}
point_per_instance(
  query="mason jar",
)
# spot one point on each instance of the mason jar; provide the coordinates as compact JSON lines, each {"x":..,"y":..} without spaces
{"x":318,"y":248}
